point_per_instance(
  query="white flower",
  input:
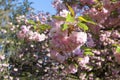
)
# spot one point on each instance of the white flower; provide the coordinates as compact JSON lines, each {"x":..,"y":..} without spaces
{"x":64,"y":13}
{"x":84,"y":61}
{"x":42,"y":37}
{"x":105,"y":10}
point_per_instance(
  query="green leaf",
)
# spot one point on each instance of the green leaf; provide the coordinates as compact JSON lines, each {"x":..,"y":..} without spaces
{"x":81,"y":18}
{"x":71,"y":10}
{"x":113,"y":0}
{"x":76,"y":65}
{"x":31,"y":22}
{"x":83,"y":26}
{"x":44,"y":27}
{"x":87,"y":49}
{"x":35,"y":27}
{"x":59,"y":18}
{"x":118,"y":49}
{"x":69,"y":18}
{"x":64,"y":27}
{"x":88,"y":53}
{"x":79,"y":59}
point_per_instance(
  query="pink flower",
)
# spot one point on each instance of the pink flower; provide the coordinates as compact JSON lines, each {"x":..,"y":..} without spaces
{"x":57,"y":4}
{"x":29,"y":35}
{"x":116,"y":55}
{"x":78,"y":52}
{"x":42,"y":37}
{"x":38,"y":37}
{"x":115,"y":34}
{"x":21,"y":35}
{"x":2,"y":57}
{"x":105,"y":11}
{"x":89,"y":2}
{"x":63,"y":43}
{"x":57,"y":56}
{"x":90,"y":42}
{"x":79,"y":37}
{"x":84,"y":61}
{"x":24,"y":29}
{"x":72,"y":68}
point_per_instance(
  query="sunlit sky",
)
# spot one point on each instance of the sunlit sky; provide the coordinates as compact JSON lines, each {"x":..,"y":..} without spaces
{"x":43,"y":5}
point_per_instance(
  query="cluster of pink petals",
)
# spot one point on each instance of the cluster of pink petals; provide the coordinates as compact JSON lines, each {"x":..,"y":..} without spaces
{"x":63,"y":43}
{"x":26,"y":33}
{"x":104,"y":16}
{"x":117,"y":57}
{"x":98,"y":16}
{"x":58,"y":5}
{"x":89,"y":2}
{"x":84,"y":61}
{"x":90,"y":42}
{"x":72,"y":68}
{"x":78,"y":51}
{"x":57,"y":56}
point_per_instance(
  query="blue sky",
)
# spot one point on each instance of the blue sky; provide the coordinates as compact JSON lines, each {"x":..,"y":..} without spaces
{"x":43,"y":5}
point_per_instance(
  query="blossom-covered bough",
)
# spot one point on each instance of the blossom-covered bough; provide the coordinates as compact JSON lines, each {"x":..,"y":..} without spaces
{"x":81,"y":41}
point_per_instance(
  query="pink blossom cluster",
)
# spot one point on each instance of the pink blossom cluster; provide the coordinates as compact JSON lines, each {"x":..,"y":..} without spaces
{"x":90,"y":42}
{"x":107,"y":37}
{"x":40,"y":17}
{"x":26,"y":33}
{"x":58,"y":5}
{"x":117,"y":57}
{"x":107,"y":15}
{"x":88,"y":2}
{"x":62,"y":44}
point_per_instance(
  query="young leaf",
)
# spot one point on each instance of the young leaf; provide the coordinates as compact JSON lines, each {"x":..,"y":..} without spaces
{"x":31,"y":22}
{"x":81,"y":18}
{"x":64,"y":27}
{"x":118,"y":49}
{"x":83,"y":26}
{"x":44,"y":27}
{"x":35,"y":27}
{"x":59,"y":18}
{"x":89,"y":53}
{"x":69,"y":18}
{"x":87,"y":49}
{"x":71,"y":10}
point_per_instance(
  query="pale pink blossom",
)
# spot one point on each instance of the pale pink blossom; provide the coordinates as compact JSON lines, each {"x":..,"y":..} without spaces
{"x":105,"y":11}
{"x":2,"y":57}
{"x":89,"y":2}
{"x":21,"y":35}
{"x":78,"y":52}
{"x":64,"y":13}
{"x":84,"y":61}
{"x":61,"y":42}
{"x":72,"y":68}
{"x":40,"y":37}
{"x":64,"y":43}
{"x":29,"y":35}
{"x":24,"y":28}
{"x":57,"y":56}
{"x":117,"y":57}
{"x":90,"y":42}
